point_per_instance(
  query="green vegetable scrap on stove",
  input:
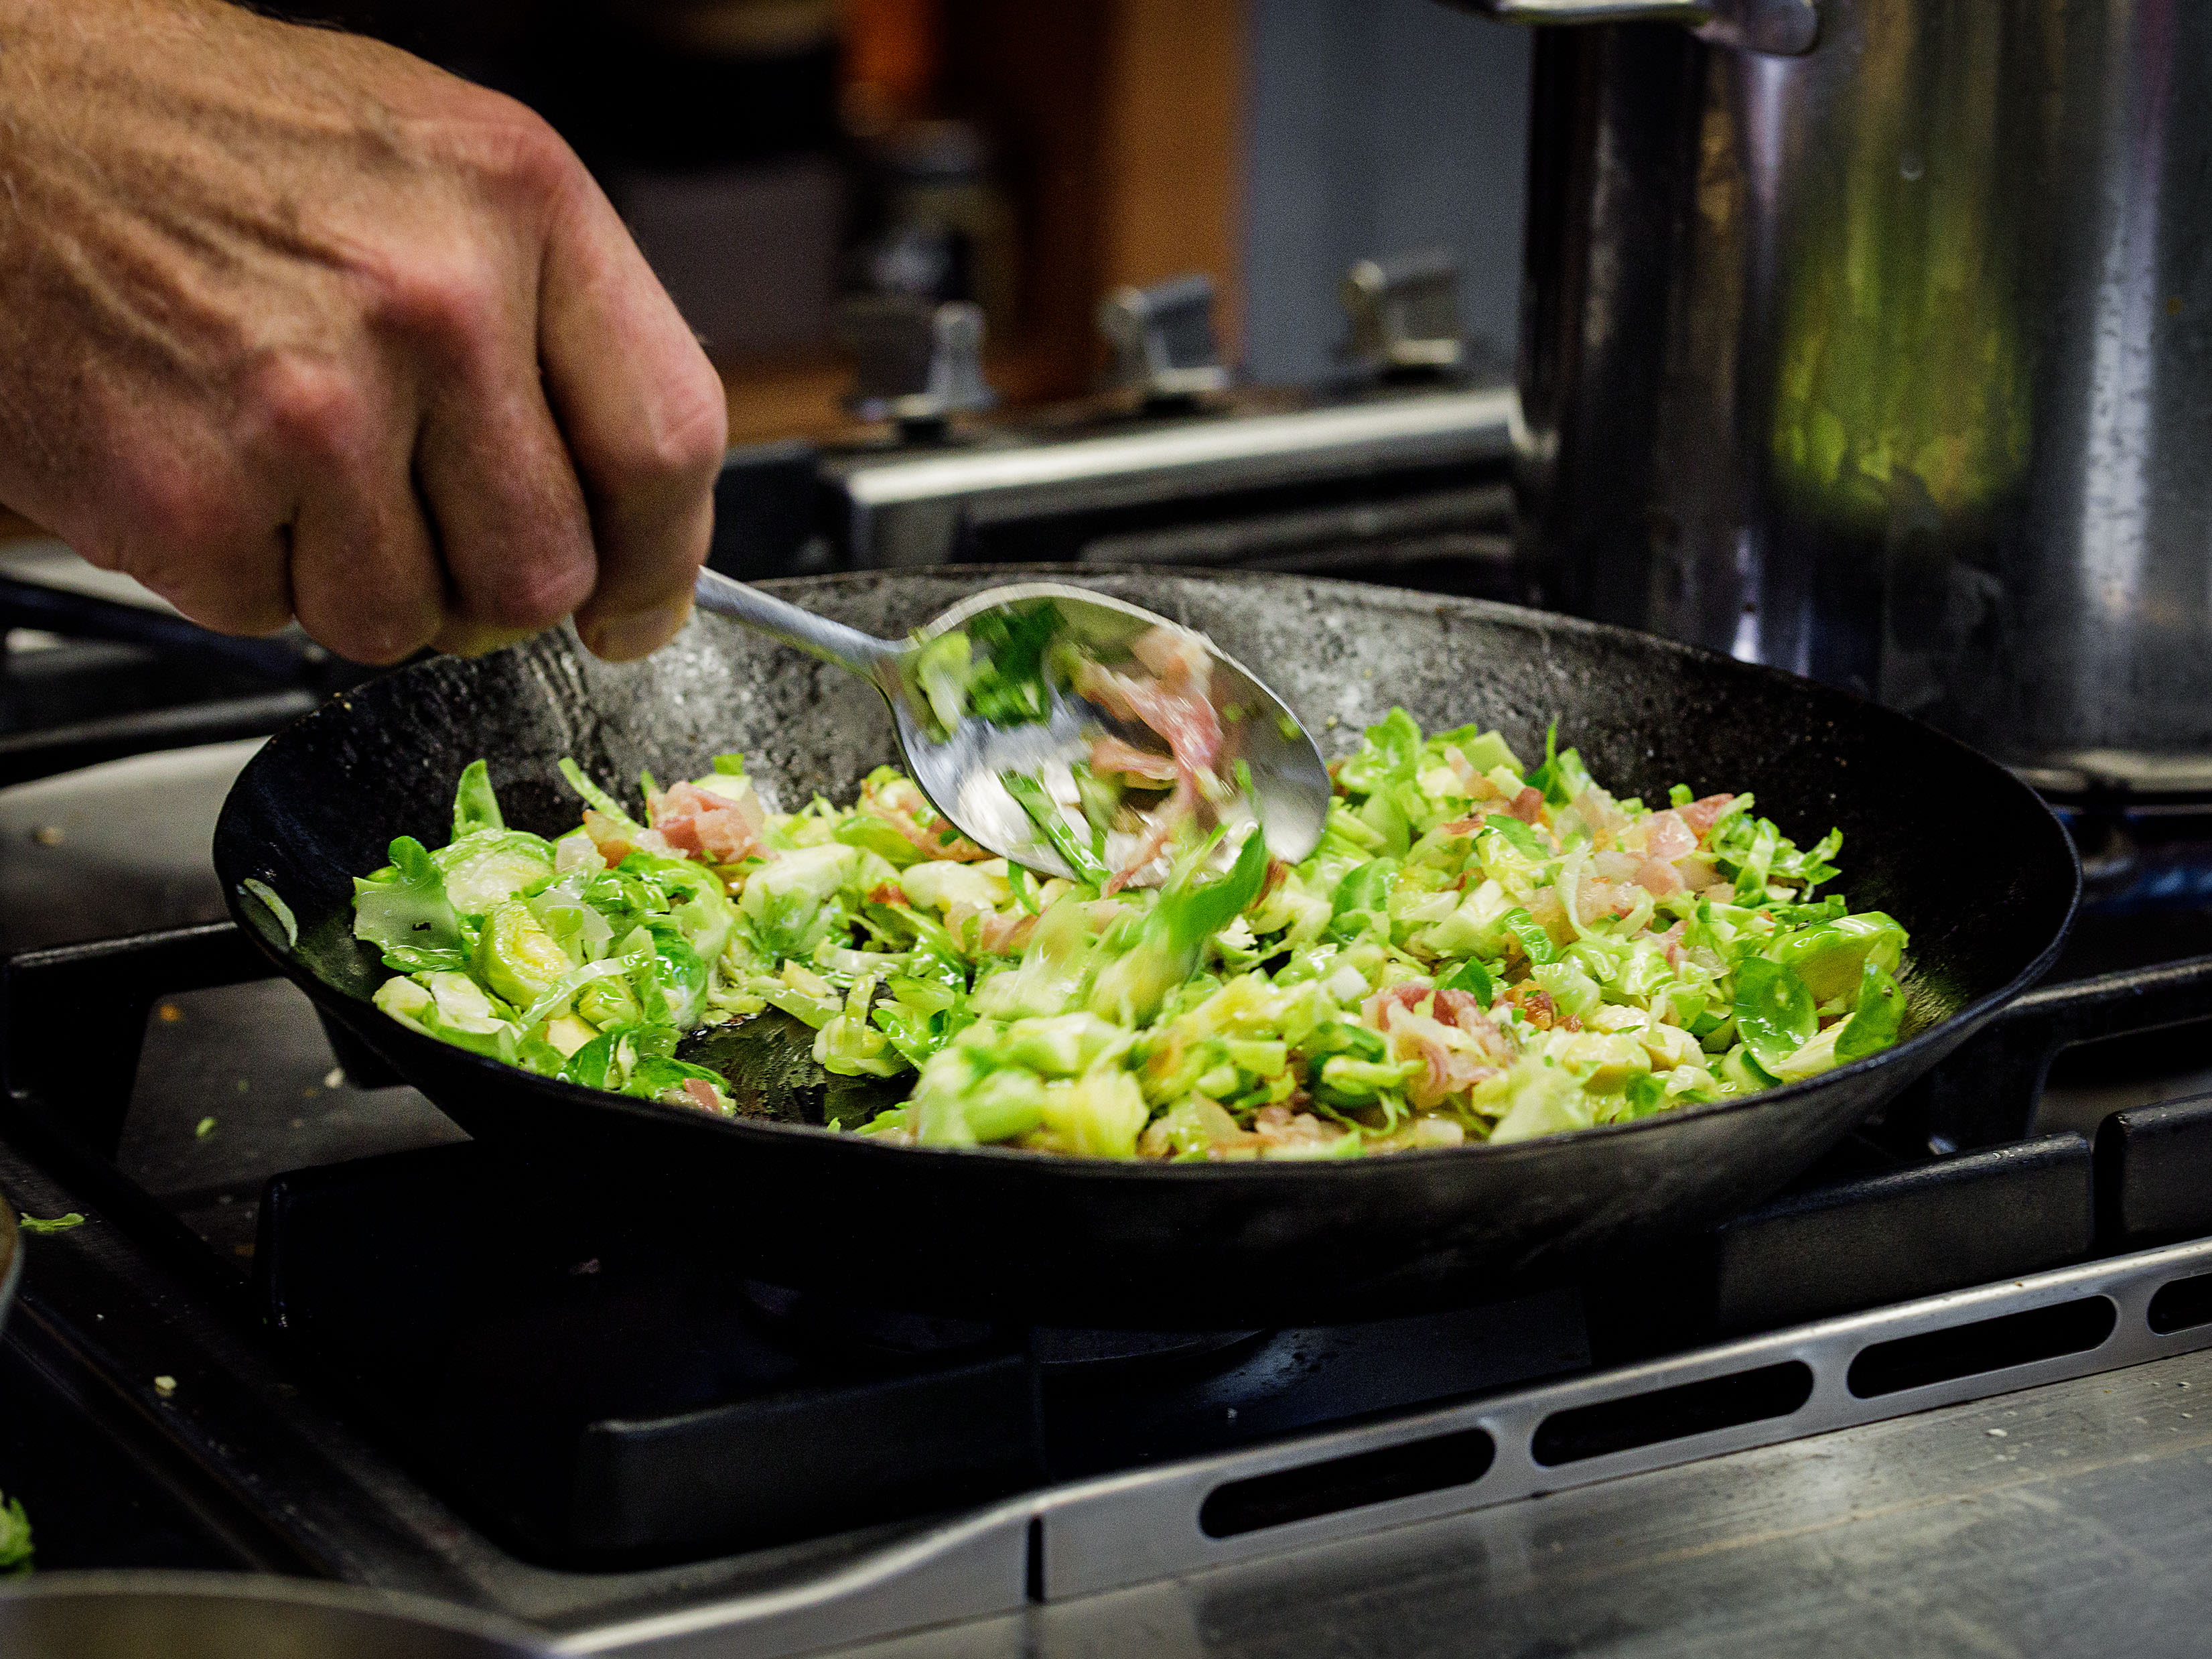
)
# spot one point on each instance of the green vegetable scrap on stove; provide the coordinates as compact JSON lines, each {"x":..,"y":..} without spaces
{"x":15,"y":1539}
{"x":1477,"y":950}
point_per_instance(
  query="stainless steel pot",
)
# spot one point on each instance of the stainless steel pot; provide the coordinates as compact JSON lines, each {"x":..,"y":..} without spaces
{"x":177,"y":1615}
{"x":1874,"y":341}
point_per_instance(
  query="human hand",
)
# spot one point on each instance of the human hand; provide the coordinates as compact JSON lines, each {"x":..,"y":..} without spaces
{"x":292,"y":324}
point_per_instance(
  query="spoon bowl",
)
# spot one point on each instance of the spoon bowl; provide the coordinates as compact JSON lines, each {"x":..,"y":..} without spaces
{"x":961,"y":769}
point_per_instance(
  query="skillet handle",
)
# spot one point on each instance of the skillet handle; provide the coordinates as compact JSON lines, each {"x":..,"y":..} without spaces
{"x":1985,"y":1092}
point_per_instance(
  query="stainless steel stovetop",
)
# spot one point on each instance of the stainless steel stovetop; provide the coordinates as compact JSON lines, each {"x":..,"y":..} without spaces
{"x":2014,"y":1465}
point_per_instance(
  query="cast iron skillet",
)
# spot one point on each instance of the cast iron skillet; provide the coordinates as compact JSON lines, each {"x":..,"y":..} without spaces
{"x":1966,"y":855}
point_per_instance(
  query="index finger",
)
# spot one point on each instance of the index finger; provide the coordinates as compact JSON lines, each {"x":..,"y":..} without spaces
{"x":643,"y":414}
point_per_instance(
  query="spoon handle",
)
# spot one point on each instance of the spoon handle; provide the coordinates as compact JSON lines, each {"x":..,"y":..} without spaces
{"x":833,"y":641}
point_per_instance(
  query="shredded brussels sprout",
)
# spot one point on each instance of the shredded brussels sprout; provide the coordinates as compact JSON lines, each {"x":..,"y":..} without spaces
{"x":16,"y":1549}
{"x":1475,"y":950}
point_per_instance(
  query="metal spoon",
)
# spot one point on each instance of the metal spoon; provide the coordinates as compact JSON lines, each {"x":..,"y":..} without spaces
{"x":960,"y":772}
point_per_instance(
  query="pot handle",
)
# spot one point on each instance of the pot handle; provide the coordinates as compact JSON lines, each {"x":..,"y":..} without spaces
{"x":1783,"y":29}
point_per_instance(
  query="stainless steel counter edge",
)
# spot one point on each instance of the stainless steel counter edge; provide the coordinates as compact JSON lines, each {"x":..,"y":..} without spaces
{"x":1147,"y":1526}
{"x":971,"y":1567}
{"x":1130,"y":1529}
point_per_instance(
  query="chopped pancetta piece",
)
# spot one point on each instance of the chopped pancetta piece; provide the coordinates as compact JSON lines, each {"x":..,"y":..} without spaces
{"x":715,"y":829}
{"x":1699,"y":814}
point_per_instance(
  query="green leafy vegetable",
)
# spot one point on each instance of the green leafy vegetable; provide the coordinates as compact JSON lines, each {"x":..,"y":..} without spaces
{"x":476,"y":807}
{"x":1563,"y":777}
{"x":1774,"y":1011}
{"x":594,"y":797}
{"x":1522,"y":839}
{"x":1878,"y":1017}
{"x":1258,"y":1010}
{"x":1830,"y":956}
{"x":16,"y":1548}
{"x":405,"y":907}
{"x":1536,"y":943}
{"x":1030,"y":795}
{"x":1004,"y":685}
{"x":1361,"y":901}
{"x":1471,"y":975}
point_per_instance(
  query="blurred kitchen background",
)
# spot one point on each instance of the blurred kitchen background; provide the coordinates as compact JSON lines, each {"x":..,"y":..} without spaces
{"x":774,"y":155}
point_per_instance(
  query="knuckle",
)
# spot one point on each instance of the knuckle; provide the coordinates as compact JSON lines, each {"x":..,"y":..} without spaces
{"x":311,"y":406}
{"x":537,"y":157}
{"x":677,"y":447}
{"x":199,"y":588}
{"x":454,"y":303}
{"x":520,"y":152}
{"x":536,"y":592}
{"x":377,"y":627}
{"x":183,"y":535}
{"x":372,"y":595}
{"x":509,"y":155}
{"x":169,"y":507}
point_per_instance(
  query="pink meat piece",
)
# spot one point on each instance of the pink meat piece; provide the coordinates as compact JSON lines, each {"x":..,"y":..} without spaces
{"x":901,"y":804}
{"x":1593,"y":899}
{"x":1176,"y":658}
{"x":1111,"y":754}
{"x":1698,"y":815}
{"x":1178,"y":807}
{"x":704,"y":826}
{"x":1427,"y":1087}
{"x":1445,"y":1070}
{"x":701,"y":1094}
{"x":997,"y":932}
{"x":1375,"y":1011}
{"x":1667,"y":837}
{"x":1176,"y":705}
{"x":1460,"y":1008}
{"x":1616,"y":867}
{"x":1190,"y":724}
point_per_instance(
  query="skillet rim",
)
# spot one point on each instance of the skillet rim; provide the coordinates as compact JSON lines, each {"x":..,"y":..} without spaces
{"x":1952,"y":1028}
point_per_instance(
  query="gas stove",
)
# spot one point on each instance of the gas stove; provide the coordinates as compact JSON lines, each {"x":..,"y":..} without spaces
{"x":308,"y":1327}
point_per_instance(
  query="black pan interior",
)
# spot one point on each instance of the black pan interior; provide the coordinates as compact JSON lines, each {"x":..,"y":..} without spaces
{"x":1963,"y":854}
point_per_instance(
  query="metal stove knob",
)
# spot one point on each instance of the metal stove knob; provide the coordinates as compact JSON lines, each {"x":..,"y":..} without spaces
{"x":1163,"y":339}
{"x":1404,"y":313}
{"x":916,"y":362}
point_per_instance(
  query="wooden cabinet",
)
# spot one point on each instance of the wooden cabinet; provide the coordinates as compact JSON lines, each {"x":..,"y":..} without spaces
{"x":1117,"y":127}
